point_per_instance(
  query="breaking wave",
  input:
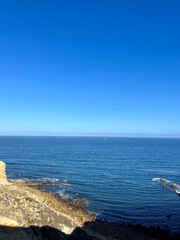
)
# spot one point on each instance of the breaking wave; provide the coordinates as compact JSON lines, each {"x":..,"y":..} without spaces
{"x":174,"y":187}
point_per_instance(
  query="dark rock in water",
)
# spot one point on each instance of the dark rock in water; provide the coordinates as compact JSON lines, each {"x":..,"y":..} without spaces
{"x":175,"y":188}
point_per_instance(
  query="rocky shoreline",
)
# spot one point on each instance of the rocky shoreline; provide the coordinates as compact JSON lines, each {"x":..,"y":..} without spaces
{"x":28,"y":212}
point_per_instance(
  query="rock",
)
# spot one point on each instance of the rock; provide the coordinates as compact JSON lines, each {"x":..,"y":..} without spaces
{"x":3,"y":178}
{"x":5,"y":221}
{"x":174,"y":186}
{"x":15,"y":205}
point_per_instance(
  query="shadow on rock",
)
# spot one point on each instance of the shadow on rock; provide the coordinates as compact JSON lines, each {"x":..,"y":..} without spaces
{"x":97,"y":230}
{"x":121,"y":231}
{"x":31,"y":233}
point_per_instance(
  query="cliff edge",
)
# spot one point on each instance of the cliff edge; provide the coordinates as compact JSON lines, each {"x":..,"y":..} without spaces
{"x":27,"y":212}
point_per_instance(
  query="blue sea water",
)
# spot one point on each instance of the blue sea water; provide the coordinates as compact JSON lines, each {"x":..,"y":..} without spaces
{"x":114,"y":175}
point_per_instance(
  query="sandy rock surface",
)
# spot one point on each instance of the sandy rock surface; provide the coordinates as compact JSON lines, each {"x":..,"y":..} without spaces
{"x":3,"y":178}
{"x":22,"y":206}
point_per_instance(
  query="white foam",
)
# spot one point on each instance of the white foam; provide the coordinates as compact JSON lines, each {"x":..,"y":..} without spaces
{"x":63,"y":194}
{"x":177,"y":191}
{"x":160,"y":180}
{"x":47,"y":180}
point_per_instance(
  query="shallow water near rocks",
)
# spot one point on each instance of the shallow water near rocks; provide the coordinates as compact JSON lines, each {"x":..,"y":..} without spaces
{"x":114,"y":175}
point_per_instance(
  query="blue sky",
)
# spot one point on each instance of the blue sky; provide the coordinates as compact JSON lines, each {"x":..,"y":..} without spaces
{"x":67,"y":67}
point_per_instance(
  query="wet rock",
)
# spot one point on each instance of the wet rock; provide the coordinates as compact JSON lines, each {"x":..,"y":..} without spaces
{"x":174,"y":186}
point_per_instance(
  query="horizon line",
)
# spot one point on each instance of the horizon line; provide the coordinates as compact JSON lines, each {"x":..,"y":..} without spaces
{"x":86,"y":134}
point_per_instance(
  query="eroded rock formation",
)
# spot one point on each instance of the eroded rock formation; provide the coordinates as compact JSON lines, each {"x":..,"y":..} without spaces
{"x":3,"y":178}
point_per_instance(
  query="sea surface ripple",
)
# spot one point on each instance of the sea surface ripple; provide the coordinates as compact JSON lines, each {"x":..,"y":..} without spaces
{"x":114,"y":175}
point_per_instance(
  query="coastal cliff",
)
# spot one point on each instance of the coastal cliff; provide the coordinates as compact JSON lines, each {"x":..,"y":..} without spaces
{"x":27,"y":212}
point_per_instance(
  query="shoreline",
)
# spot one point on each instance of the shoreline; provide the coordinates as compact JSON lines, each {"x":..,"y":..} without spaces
{"x":25,"y":205}
{"x":30,"y":212}
{"x":70,"y":209}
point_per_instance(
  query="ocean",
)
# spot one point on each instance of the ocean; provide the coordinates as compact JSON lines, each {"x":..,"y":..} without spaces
{"x":113,"y":175}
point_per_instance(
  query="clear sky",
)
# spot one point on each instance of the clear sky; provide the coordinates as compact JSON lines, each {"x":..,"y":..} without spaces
{"x":94,"y":67}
